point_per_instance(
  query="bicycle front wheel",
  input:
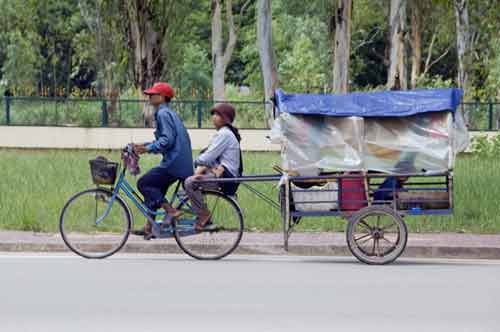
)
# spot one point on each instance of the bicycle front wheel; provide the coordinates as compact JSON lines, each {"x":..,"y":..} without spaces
{"x":94,"y":227}
{"x":221,"y":236}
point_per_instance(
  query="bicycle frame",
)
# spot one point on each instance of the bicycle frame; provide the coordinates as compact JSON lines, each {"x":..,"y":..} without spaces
{"x":124,"y":185}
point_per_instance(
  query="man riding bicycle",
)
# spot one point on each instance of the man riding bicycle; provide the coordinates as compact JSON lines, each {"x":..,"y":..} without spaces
{"x":173,"y":142}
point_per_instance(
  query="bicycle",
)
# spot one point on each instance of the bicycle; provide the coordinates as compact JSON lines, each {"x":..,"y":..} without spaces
{"x":96,"y":223}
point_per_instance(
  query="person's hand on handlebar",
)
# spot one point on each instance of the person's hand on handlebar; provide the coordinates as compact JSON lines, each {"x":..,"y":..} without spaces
{"x":140,"y":148}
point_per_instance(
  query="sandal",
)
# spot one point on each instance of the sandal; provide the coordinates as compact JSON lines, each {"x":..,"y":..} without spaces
{"x":201,"y":224}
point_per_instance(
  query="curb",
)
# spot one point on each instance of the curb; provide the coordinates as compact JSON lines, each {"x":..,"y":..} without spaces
{"x":458,"y":252}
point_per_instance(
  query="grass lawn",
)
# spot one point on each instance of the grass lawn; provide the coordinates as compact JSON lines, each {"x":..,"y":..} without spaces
{"x":36,"y":183}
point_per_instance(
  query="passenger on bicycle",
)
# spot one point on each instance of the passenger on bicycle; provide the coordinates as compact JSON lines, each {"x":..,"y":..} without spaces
{"x":222,"y":159}
{"x":172,"y":141}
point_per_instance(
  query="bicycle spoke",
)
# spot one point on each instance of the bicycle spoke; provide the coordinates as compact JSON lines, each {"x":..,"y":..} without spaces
{"x":96,"y":208}
{"x":79,"y":226}
{"x":383,"y":238}
{"x":389,"y":227}
{"x":362,"y":237}
{"x":388,"y":235}
{"x":363,"y":223}
{"x":364,"y":241}
{"x":392,"y":244}
{"x":212,"y":213}
{"x":217,"y":239}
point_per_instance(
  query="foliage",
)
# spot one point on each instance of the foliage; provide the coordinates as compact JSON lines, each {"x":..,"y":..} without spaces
{"x":368,"y":44}
{"x":301,"y":70}
{"x":493,"y":80}
{"x":63,"y":47}
{"x":196,"y":80}
{"x":434,"y":82}
{"x":486,"y":147}
{"x":22,"y":63}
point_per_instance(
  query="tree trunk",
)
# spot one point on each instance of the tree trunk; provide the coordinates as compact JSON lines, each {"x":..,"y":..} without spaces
{"x":342,"y":46}
{"x":463,"y":42}
{"x":145,"y":48}
{"x":99,"y":19}
{"x":218,"y":69}
{"x":222,"y":57}
{"x":397,"y":76}
{"x":266,"y":52}
{"x":331,"y":35}
{"x":416,"y":29}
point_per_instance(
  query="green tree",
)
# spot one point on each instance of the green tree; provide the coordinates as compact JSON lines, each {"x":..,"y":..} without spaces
{"x":20,"y":49}
{"x":301,"y":70}
{"x":22,"y":64}
{"x":195,"y":70}
{"x":493,"y":80}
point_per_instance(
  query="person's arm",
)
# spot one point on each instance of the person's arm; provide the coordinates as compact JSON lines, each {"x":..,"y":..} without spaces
{"x":216,"y":148}
{"x":167,"y":135}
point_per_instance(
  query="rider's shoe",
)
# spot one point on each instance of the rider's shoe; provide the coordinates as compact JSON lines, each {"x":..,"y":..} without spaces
{"x":148,"y":235}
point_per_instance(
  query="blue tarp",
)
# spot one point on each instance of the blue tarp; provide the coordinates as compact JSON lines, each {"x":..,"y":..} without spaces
{"x":370,"y":104}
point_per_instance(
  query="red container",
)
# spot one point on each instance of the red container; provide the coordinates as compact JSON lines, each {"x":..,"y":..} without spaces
{"x":352,"y":193}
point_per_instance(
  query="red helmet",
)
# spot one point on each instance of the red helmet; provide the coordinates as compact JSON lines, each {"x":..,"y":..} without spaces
{"x":162,"y":89}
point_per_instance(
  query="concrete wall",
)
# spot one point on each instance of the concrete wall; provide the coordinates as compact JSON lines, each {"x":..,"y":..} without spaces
{"x":116,"y":138}
{"x":113,"y":138}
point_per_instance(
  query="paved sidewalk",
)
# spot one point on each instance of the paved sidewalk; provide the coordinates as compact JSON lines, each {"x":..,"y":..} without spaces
{"x":442,"y":245}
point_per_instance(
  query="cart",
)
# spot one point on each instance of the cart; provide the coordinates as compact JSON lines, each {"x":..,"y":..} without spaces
{"x":382,"y":180}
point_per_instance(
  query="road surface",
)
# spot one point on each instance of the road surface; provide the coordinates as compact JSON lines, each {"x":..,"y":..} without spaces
{"x":49,"y":292}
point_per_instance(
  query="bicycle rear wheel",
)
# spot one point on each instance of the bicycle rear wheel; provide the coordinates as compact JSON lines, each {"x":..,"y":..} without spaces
{"x":220,"y":237}
{"x":83,"y":231}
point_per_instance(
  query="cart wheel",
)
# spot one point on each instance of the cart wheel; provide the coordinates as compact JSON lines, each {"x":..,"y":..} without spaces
{"x":376,"y":235}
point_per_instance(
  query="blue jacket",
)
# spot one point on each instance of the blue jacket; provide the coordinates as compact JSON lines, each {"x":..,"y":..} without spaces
{"x":172,"y":141}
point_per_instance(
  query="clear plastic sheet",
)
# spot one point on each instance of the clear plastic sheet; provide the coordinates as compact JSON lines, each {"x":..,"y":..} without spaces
{"x":423,"y":142}
{"x":461,"y":139}
{"x":312,"y":143}
{"x":420,"y":142}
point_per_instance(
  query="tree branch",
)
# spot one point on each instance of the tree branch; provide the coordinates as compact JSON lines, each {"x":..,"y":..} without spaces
{"x":429,"y":52}
{"x":365,"y":42}
{"x":242,"y":10}
{"x":245,"y":5}
{"x":228,"y":52}
{"x":439,"y":58}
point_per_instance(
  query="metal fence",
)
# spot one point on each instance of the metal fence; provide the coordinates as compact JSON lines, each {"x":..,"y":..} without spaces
{"x":81,"y":112}
{"x":72,"y":112}
{"x":481,"y":116}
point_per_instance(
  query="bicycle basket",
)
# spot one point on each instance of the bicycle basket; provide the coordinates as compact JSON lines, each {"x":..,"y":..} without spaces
{"x":103,"y":171}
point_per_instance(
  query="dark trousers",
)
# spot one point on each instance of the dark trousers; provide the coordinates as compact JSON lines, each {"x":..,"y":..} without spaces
{"x":154,"y":186}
